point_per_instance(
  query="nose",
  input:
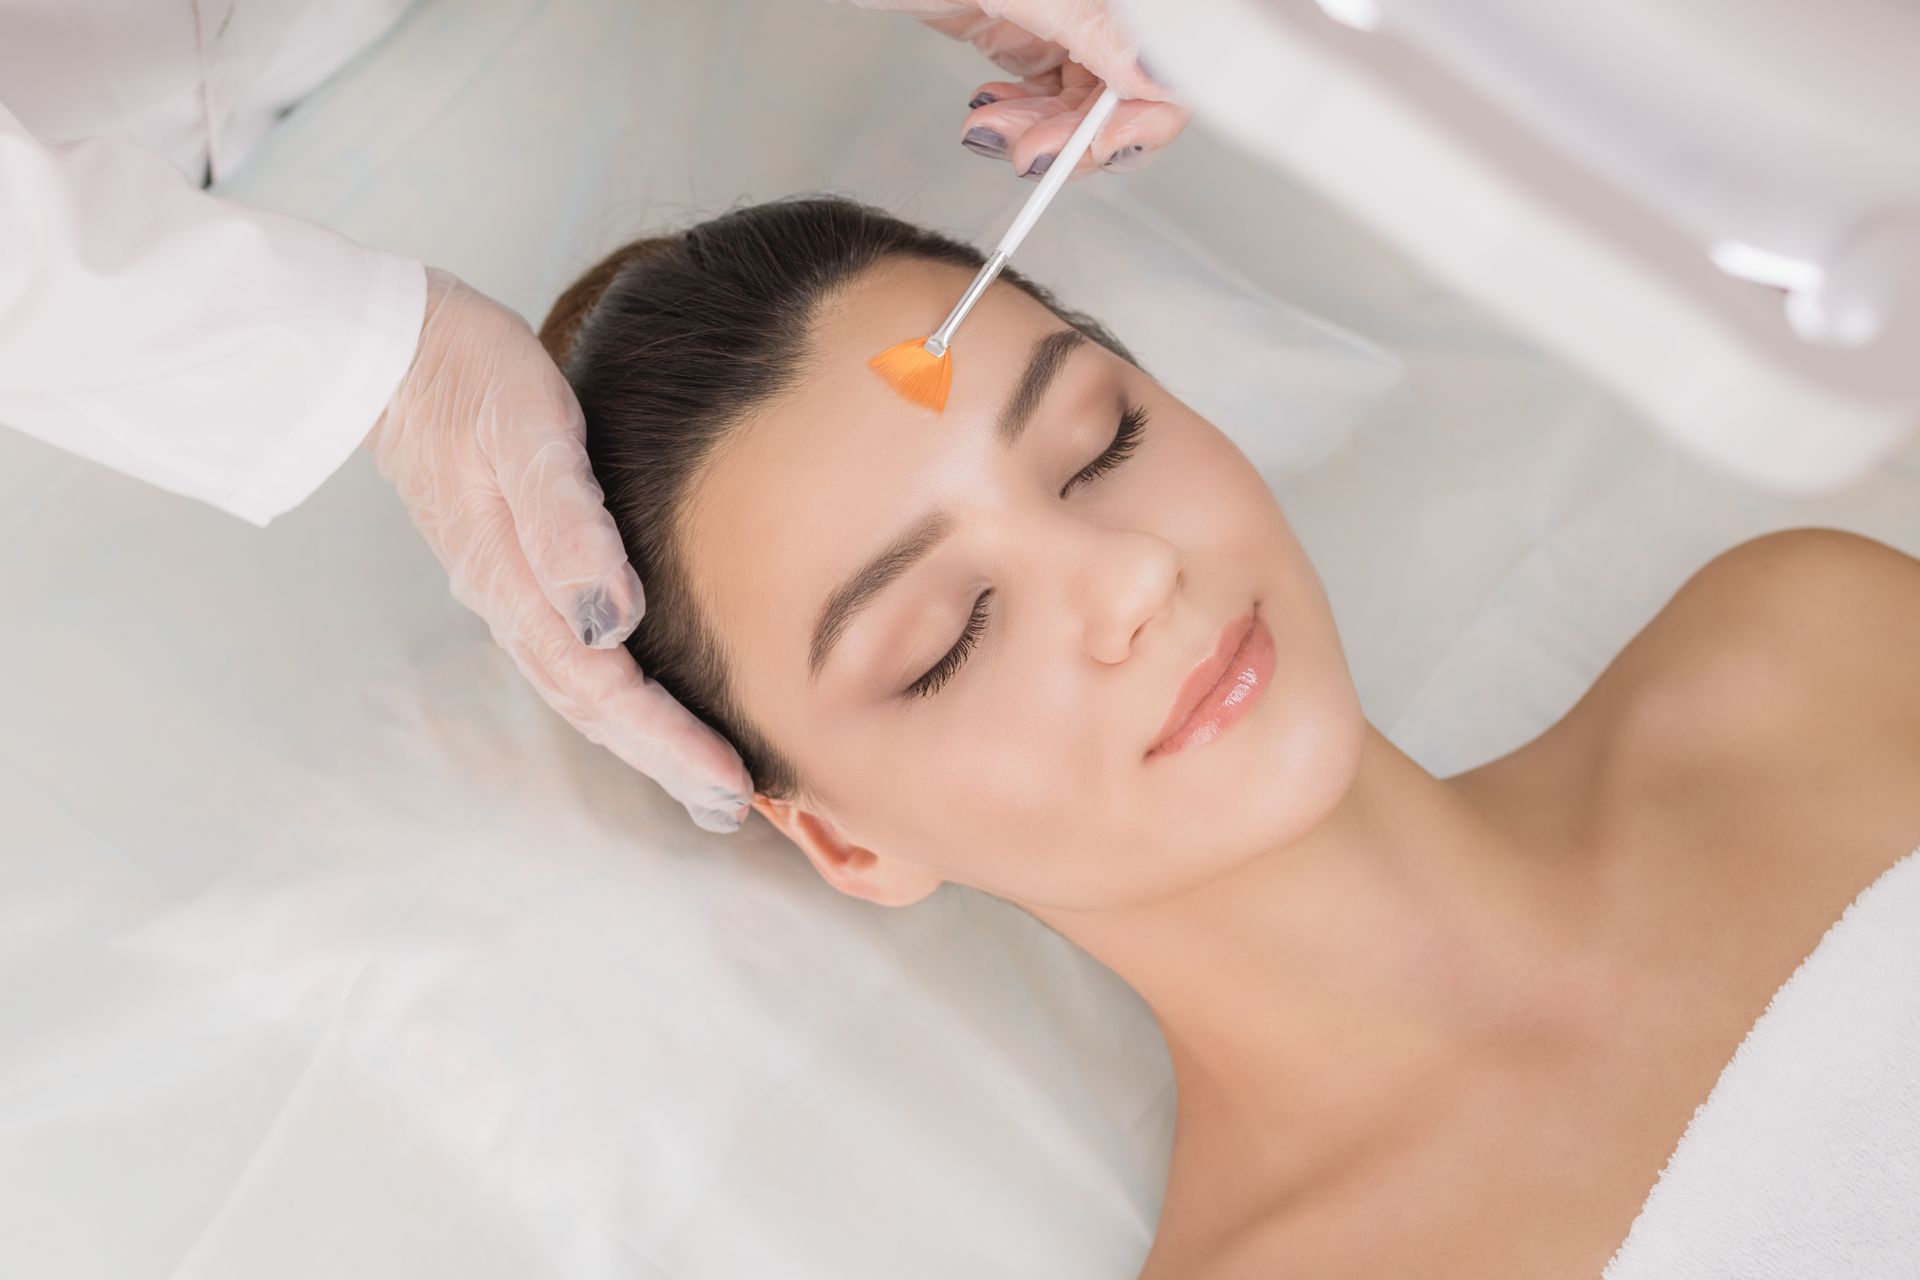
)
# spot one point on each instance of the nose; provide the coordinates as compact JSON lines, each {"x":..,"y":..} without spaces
{"x":1128,"y":579}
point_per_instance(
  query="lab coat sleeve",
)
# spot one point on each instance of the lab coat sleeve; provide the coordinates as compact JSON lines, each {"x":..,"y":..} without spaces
{"x":215,"y":350}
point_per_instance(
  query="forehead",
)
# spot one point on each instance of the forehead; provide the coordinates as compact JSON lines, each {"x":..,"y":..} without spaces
{"x":815,"y":481}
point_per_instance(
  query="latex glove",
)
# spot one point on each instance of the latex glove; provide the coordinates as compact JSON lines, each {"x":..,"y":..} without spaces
{"x":1062,"y":50}
{"x":486,"y":444}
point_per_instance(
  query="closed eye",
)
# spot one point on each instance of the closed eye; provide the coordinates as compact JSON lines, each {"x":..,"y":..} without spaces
{"x":1125,"y":438}
{"x":943,"y":670}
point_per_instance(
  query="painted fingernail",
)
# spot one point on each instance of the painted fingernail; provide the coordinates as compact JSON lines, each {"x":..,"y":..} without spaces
{"x":595,"y":617}
{"x":1040,"y":165}
{"x":980,"y":100}
{"x":1128,"y":157}
{"x":984,"y":141}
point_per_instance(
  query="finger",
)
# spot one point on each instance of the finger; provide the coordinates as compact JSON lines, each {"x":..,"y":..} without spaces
{"x":1033,"y":151}
{"x":1135,"y":135}
{"x":647,"y":727}
{"x":1003,"y":90}
{"x":577,"y":557}
{"x":642,"y":724}
{"x":994,"y":129}
{"x":1129,"y":139}
{"x":602,"y":694}
{"x":998,"y":130}
{"x":1074,"y":75}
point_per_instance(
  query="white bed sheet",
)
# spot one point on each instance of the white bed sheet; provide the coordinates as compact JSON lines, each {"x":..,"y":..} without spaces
{"x":326,"y":949}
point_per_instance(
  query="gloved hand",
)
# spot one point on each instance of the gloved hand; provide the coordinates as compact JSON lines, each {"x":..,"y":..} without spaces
{"x":485,"y":442}
{"x":1062,"y":50}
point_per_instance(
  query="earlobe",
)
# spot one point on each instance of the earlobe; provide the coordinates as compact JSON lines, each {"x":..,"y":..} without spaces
{"x":853,"y":870}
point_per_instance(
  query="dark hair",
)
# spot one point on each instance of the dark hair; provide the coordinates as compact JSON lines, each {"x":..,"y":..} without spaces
{"x":669,"y":343}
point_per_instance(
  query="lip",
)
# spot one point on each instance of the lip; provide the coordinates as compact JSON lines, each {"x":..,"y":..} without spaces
{"x":1220,"y":688}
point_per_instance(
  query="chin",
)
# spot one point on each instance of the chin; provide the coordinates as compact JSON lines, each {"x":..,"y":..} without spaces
{"x":1293,"y":772}
{"x":1266,"y":784}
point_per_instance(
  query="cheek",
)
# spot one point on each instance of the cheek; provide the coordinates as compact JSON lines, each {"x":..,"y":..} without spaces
{"x":989,"y":805}
{"x":1203,"y":491}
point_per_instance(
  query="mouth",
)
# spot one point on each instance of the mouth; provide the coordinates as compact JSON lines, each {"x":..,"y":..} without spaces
{"x":1221,"y":687}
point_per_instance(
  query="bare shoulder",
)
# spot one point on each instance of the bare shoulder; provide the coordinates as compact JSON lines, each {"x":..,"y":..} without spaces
{"x":1778,"y":626}
{"x":1785,"y":670}
{"x":1812,"y":578}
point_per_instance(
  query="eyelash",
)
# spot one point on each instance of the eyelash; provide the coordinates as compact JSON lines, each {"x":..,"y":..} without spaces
{"x":929,"y":684}
{"x":1125,"y":439}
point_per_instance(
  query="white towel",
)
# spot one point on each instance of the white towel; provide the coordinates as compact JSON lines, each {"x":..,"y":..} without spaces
{"x":1804,"y":1161}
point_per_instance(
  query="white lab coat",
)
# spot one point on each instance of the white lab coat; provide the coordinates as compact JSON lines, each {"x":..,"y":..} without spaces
{"x":219,"y":351}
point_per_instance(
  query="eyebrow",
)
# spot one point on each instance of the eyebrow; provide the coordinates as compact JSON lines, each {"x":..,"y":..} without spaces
{"x":1044,"y":362}
{"x":1043,"y":365}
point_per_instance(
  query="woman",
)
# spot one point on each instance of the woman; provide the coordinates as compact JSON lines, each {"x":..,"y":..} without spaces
{"x":1059,"y":644}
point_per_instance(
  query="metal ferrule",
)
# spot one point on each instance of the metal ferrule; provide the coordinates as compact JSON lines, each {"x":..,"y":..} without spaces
{"x":943,"y":336}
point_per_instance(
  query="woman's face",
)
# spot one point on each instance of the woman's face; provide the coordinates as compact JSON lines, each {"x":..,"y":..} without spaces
{"x":1023,"y":765}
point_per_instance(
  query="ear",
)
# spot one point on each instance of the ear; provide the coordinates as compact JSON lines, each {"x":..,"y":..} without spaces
{"x":854,"y":871}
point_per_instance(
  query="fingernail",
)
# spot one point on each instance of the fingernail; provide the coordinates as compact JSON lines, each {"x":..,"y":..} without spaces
{"x":985,"y":142}
{"x":719,"y":820}
{"x":1040,"y":165}
{"x":981,"y":100}
{"x":1127,"y":157}
{"x":596,"y":618}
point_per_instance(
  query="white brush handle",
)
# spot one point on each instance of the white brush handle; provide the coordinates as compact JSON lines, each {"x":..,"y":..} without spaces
{"x":1050,"y":183}
{"x":1056,"y":175}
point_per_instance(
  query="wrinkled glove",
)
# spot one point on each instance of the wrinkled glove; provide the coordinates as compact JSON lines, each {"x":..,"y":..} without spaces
{"x":486,"y":445}
{"x":1062,"y":50}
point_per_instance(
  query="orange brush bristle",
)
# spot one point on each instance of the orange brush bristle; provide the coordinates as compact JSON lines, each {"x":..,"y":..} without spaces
{"x":915,"y":373}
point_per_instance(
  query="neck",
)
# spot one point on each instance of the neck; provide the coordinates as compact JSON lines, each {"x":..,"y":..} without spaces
{"x":1316,"y":989}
